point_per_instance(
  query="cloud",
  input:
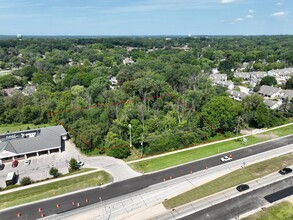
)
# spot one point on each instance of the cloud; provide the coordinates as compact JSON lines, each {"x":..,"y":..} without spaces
{"x":251,"y":11}
{"x":249,"y":16}
{"x":279,"y":3}
{"x":279,"y":14}
{"x":229,"y":1}
{"x":239,"y":19}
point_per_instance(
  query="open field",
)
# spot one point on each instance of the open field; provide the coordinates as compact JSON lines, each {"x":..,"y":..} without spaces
{"x":281,"y":211}
{"x":19,"y":127}
{"x":209,"y":150}
{"x":53,"y":189}
{"x":232,"y":179}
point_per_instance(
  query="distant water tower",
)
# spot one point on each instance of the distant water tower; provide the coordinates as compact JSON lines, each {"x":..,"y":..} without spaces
{"x":19,"y":36}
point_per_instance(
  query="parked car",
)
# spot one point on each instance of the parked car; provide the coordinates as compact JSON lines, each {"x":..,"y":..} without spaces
{"x":27,"y":162}
{"x":285,"y":170}
{"x":226,"y":158}
{"x":242,"y":187}
{"x":2,"y":165}
{"x":14,"y":163}
{"x":80,"y":163}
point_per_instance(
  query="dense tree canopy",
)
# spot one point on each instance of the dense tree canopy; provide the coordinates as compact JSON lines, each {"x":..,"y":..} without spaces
{"x":166,"y":94}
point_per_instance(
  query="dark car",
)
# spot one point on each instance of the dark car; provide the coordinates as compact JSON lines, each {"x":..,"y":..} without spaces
{"x":242,"y":187}
{"x":2,"y":165}
{"x":285,"y":170}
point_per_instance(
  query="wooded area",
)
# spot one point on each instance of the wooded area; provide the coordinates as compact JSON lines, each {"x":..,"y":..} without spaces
{"x":172,"y":104}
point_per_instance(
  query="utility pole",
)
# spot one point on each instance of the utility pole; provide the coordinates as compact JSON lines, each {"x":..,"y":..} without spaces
{"x":237,"y":128}
{"x":141,"y":145}
{"x":130,"y":141}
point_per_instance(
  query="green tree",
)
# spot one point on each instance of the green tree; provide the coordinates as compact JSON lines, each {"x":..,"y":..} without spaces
{"x":289,"y":83}
{"x":73,"y":165}
{"x":54,"y":172}
{"x":221,"y":114}
{"x":262,"y":116}
{"x":268,"y":80}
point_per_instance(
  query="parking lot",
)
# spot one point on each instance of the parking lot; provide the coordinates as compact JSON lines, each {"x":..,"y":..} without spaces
{"x":39,"y":167}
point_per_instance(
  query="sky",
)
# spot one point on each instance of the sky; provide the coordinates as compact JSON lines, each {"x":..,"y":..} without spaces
{"x":146,"y":17}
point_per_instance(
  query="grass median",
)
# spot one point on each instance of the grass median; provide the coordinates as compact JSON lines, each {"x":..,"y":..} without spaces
{"x":283,"y":210}
{"x":206,"y":151}
{"x":231,"y":180}
{"x":53,"y":189}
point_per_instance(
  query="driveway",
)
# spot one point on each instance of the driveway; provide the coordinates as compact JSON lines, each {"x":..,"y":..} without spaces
{"x":40,"y":166}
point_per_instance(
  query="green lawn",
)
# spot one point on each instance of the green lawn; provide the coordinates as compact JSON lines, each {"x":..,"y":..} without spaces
{"x":231,"y":180}
{"x":190,"y":155}
{"x":19,"y":127}
{"x":210,"y":150}
{"x":281,"y":211}
{"x":54,"y":189}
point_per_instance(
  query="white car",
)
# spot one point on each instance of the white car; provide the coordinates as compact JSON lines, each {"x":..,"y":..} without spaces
{"x":80,"y":163}
{"x":27,"y":162}
{"x":226,"y":158}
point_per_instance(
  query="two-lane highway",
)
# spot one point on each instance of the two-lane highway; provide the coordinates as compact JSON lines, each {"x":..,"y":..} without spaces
{"x":71,"y":201}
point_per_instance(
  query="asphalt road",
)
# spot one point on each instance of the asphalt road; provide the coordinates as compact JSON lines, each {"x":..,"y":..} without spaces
{"x":233,"y":208}
{"x":75,"y":200}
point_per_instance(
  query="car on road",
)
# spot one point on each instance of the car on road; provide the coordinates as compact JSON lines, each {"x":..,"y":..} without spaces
{"x":285,"y":170}
{"x":242,"y":187}
{"x":226,"y":158}
{"x":79,"y":163}
{"x":27,"y":162}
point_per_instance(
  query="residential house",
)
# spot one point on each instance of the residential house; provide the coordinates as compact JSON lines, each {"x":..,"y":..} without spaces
{"x":227,"y":84}
{"x":273,"y":104}
{"x":269,"y":92}
{"x":237,"y":95}
{"x":127,"y":61}
{"x":287,"y":95}
{"x":218,"y":77}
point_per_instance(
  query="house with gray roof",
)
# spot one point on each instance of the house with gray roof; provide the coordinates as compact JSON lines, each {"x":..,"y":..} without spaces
{"x":287,"y":94}
{"x":273,"y":104}
{"x":237,"y":95}
{"x":218,"y":77}
{"x":35,"y":142}
{"x":269,"y":92}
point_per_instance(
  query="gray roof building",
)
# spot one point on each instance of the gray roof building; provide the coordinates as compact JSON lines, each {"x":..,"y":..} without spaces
{"x":269,"y":92}
{"x":31,"y":141}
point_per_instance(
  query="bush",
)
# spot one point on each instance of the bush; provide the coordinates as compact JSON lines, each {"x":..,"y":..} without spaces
{"x":25,"y":181}
{"x":73,"y":165}
{"x":54,"y":172}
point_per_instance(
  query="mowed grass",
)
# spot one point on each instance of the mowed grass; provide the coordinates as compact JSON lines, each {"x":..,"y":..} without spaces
{"x":206,"y":151}
{"x":19,"y":127}
{"x":190,"y":155}
{"x":281,"y":211}
{"x":54,"y":189}
{"x":232,"y":179}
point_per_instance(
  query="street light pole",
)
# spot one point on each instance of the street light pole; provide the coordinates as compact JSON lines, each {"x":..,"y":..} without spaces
{"x":130,"y":141}
{"x":141,"y":145}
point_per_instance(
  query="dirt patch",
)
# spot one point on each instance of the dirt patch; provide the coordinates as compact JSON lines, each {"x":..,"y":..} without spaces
{"x":266,"y":136}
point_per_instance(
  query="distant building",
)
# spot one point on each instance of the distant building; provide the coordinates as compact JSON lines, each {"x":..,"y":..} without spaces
{"x":127,"y":61}
{"x":269,"y":92}
{"x":273,"y":104}
{"x":237,"y":95}
{"x":35,"y":142}
{"x":218,"y":77}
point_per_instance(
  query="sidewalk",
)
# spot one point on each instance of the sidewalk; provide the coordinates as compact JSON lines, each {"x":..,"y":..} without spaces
{"x":46,"y":182}
{"x":215,"y":142}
